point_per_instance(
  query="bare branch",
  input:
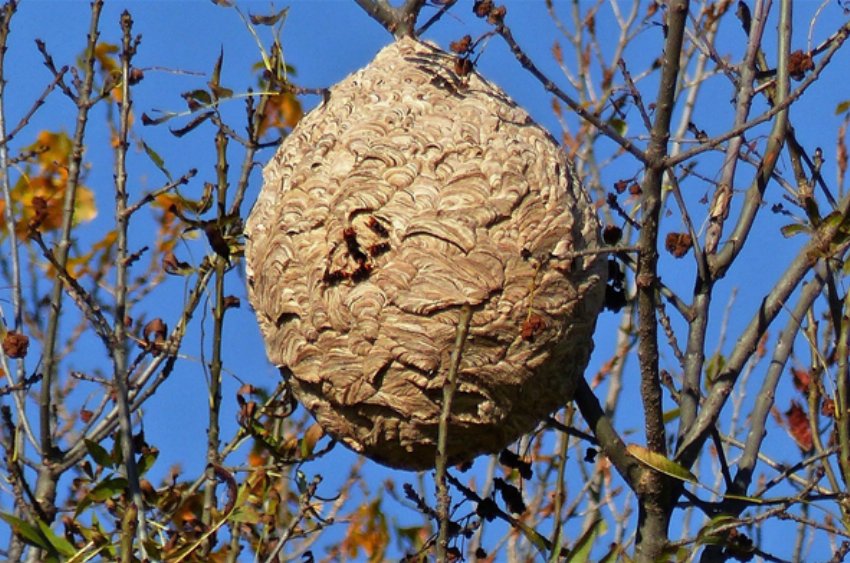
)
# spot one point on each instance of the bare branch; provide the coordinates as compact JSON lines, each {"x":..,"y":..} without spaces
{"x":550,"y":86}
{"x":609,"y":439}
{"x":765,"y":400}
{"x":443,"y":499}
{"x":770,"y":307}
{"x":399,"y":21}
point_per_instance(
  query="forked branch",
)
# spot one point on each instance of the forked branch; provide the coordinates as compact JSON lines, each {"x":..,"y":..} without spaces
{"x":400,"y":21}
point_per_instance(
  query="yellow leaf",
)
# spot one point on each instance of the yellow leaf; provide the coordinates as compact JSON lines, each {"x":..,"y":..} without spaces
{"x":46,"y":178}
{"x":311,"y":437}
{"x":660,"y":463}
{"x":104,"y":54}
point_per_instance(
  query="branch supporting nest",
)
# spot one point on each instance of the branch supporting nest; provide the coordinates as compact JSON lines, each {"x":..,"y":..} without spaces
{"x":400,"y":21}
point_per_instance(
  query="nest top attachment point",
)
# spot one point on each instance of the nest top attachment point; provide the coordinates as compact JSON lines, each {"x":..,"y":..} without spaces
{"x":410,"y":192}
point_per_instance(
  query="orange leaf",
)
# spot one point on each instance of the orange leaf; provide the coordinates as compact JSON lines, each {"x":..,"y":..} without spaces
{"x":802,"y":380}
{"x":532,"y":326}
{"x":557,"y":53}
{"x":368,"y":531}
{"x":283,"y":110}
{"x":678,"y":244}
{"x":798,"y":426}
{"x":257,"y":458}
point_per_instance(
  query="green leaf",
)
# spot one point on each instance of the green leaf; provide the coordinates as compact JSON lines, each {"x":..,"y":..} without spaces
{"x":706,"y":535}
{"x":619,"y":126}
{"x":59,"y":544}
{"x":27,"y":532}
{"x":99,"y":454}
{"x":220,"y":92}
{"x":842,"y":107}
{"x":107,"y":489}
{"x":834,"y":219}
{"x":243,"y":496}
{"x":581,"y":550}
{"x":837,"y":242}
{"x":680,"y":553}
{"x":789,"y":231}
{"x":147,"y":460}
{"x":751,"y":500}
{"x":84,"y":503}
{"x":154,"y":550}
{"x":715,"y":367}
{"x":216,"y":75}
{"x":117,"y":450}
{"x":812,"y":211}
{"x":246,"y":514}
{"x":199,"y":96}
{"x":716,"y":522}
{"x":671,"y":415}
{"x":661,"y":464}
{"x":100,"y":537}
{"x":532,"y":535}
{"x":157,"y":160}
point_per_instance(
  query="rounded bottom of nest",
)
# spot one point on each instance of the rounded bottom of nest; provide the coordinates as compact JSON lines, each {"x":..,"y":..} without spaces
{"x":479,"y":424}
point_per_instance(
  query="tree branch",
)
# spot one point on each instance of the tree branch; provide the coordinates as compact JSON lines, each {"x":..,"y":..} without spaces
{"x":46,"y":481}
{"x":609,"y":440}
{"x":399,"y":21}
{"x":655,"y":504}
{"x":767,"y":394}
{"x":770,"y":307}
{"x":443,"y":499}
{"x":134,"y":523}
{"x":550,"y":86}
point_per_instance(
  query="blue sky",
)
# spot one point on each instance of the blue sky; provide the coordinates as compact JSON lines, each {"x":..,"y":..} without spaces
{"x":325,"y":40}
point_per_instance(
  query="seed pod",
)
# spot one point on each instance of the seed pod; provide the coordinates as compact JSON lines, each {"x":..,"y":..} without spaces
{"x":469,"y":202}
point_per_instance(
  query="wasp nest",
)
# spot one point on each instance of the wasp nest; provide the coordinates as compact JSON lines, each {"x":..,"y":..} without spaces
{"x":408,"y":193}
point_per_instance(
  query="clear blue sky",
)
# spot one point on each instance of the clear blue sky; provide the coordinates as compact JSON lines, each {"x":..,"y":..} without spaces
{"x":325,"y":40}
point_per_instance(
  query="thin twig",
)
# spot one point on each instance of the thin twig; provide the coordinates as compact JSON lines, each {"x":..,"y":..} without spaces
{"x":15,"y":441}
{"x":399,"y":21}
{"x":77,"y":292}
{"x":443,"y":499}
{"x":436,"y":17}
{"x":34,"y":108}
{"x":550,"y":86}
{"x":765,"y":398}
{"x":570,"y":431}
{"x":150,"y":197}
{"x":610,"y":441}
{"x":134,"y":527}
{"x":215,"y":364}
{"x":837,"y":41}
{"x":537,"y":540}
